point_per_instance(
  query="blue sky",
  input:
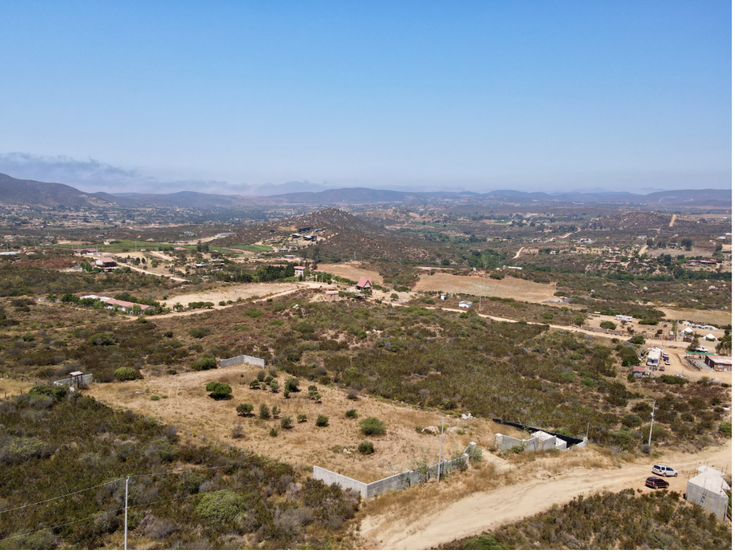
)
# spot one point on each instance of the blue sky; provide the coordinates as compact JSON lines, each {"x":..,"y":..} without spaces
{"x":236,"y":96}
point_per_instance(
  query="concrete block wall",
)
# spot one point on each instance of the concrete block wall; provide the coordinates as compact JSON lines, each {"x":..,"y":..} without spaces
{"x":329,"y":477}
{"x":393,"y":483}
{"x":242,"y":359}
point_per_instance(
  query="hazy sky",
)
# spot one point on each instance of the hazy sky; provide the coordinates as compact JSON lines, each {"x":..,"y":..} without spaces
{"x":227,"y":96}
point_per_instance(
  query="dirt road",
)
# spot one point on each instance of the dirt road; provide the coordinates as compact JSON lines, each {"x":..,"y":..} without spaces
{"x":673,"y":220}
{"x":518,"y":253}
{"x":488,"y":510}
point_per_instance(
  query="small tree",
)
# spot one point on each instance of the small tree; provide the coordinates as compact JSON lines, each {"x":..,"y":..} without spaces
{"x":207,"y":362}
{"x":218,"y":391}
{"x":286,"y":422}
{"x":372,"y":426}
{"x":366,"y":447}
{"x":607,"y":325}
{"x":244,"y":409}
{"x":276,"y":411}
{"x":261,"y":375}
{"x":265,"y":413}
{"x":255,"y":384}
{"x":693,"y":345}
{"x":292,"y":385}
{"x":322,"y":421}
{"x":274,"y":386}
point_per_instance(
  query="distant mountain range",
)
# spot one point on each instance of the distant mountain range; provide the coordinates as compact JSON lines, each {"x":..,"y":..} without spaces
{"x":14,"y":191}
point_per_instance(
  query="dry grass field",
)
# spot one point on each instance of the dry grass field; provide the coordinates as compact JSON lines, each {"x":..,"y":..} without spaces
{"x":185,"y":404}
{"x":352,"y":271}
{"x":720,"y":318}
{"x":521,"y":290}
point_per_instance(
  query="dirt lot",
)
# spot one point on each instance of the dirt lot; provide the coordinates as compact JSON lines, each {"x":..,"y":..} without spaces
{"x":233,"y":292}
{"x":522,"y":290}
{"x":718,"y":318}
{"x":188,"y":407}
{"x":352,"y":271}
{"x":531,"y":489}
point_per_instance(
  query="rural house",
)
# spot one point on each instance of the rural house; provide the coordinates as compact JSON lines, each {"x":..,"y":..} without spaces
{"x":719,"y":363}
{"x":298,"y":271}
{"x":364,"y":283}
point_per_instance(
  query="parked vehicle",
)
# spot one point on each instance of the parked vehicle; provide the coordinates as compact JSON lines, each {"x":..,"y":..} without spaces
{"x":667,"y":363}
{"x":667,"y":471}
{"x":662,"y":369}
{"x":700,"y":350}
{"x":657,"y":483}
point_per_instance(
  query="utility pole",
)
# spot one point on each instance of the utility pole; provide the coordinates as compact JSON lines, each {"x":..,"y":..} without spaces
{"x":441,"y":441}
{"x":126,"y":512}
{"x":650,"y":433}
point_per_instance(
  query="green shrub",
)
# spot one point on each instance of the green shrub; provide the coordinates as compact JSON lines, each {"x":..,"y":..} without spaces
{"x":55,"y":392}
{"x":261,"y":375}
{"x":155,"y":398}
{"x":301,"y":418}
{"x":275,"y":411}
{"x":673,"y":380}
{"x":255,"y":384}
{"x":322,"y":421}
{"x":483,"y":542}
{"x":254,"y":313}
{"x":199,"y":333}
{"x":292,"y":385}
{"x":207,"y":362}
{"x":274,"y":386}
{"x":103,"y":339}
{"x":608,"y":325}
{"x":631,"y":420}
{"x":372,"y":426}
{"x":352,"y":413}
{"x":220,"y":507}
{"x":637,"y":340}
{"x":366,"y":447}
{"x":286,"y":422}
{"x":273,"y":432}
{"x":218,"y":390}
{"x":244,"y":409}
{"x":726,"y":428}
{"x":265,"y":413}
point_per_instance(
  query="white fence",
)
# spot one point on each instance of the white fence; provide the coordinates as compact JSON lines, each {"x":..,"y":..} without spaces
{"x":242,"y":359}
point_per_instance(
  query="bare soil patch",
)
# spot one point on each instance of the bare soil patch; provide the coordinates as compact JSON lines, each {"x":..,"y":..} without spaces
{"x":233,"y":292}
{"x":352,"y":271}
{"x":521,"y":290}
{"x":188,"y":407}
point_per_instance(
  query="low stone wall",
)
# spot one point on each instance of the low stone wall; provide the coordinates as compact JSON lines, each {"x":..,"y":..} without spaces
{"x":330,"y":478}
{"x":242,"y":359}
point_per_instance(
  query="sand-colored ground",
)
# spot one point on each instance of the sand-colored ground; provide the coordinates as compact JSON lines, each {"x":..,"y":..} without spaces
{"x":719,"y":318}
{"x":352,"y":271}
{"x":522,"y":290}
{"x":188,"y":407}
{"x":536,"y":489}
{"x":233,"y":292}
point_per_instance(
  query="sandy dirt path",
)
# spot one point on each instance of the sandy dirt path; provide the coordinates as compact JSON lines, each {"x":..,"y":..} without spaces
{"x":673,"y":220}
{"x":487,"y":510}
{"x":517,"y":288}
{"x":518,"y":253}
{"x":642,"y":250}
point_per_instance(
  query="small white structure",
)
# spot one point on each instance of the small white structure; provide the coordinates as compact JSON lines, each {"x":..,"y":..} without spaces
{"x":465,"y":304}
{"x":710,"y":337}
{"x":708,"y":491}
{"x":654,"y":357}
{"x":623,"y":318}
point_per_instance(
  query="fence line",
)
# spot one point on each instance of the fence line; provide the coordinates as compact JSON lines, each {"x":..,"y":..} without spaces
{"x":394,"y":482}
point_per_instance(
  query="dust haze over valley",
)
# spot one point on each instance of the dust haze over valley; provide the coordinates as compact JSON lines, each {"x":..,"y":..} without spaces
{"x":320,"y":276}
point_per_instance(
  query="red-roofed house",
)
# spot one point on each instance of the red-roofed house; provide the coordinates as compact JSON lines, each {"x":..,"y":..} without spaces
{"x":639,"y":371}
{"x":364,"y":283}
{"x":106,"y":262}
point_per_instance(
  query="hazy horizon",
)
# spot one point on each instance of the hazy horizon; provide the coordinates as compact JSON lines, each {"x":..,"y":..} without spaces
{"x":259,"y":98}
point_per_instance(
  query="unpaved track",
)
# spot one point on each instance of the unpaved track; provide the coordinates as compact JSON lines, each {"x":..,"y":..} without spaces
{"x":518,"y":253}
{"x":673,"y":220}
{"x":486,"y":511}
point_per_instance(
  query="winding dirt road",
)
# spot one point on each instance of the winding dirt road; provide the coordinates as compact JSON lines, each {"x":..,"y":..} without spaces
{"x":487,"y":510}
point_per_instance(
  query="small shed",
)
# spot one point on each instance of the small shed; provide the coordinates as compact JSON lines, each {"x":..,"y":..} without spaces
{"x":299,"y":270}
{"x":639,"y":371}
{"x":708,"y":491}
{"x":331,"y":295}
